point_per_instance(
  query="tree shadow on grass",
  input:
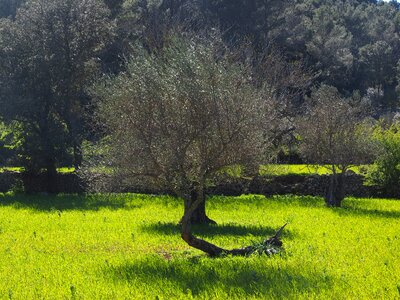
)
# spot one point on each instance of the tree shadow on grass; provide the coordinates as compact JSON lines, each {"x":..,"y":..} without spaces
{"x":364,"y":212}
{"x":349,"y":207}
{"x":208,"y":231}
{"x":232,"y":276}
{"x":68,"y":202}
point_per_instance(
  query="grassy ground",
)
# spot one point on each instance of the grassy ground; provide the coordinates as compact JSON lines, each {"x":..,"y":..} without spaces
{"x":20,"y":169}
{"x":281,"y":169}
{"x":128,"y":247}
{"x":11,"y":169}
{"x":286,"y":169}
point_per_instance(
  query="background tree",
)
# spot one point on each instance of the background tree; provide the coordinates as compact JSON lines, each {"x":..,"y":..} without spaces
{"x":385,"y":173}
{"x":49,"y":54}
{"x":7,"y":144}
{"x":8,"y":8}
{"x":332,"y":136}
{"x":379,"y":66}
{"x":178,"y":117}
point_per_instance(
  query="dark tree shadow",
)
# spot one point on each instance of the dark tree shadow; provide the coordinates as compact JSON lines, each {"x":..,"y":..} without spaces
{"x":68,"y":202}
{"x":369,"y":208}
{"x":253,"y":277}
{"x":349,"y":207}
{"x":374,"y":213}
{"x":209,"y":231}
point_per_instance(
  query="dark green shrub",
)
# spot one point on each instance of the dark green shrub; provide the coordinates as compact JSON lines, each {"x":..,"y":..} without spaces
{"x":385,"y":172}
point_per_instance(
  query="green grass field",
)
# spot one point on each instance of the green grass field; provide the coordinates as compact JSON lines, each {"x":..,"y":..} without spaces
{"x":282,"y":169}
{"x":287,"y":169}
{"x":128,"y":247}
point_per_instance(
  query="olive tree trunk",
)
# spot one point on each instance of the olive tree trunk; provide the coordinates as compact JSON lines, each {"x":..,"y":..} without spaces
{"x":199,"y":215}
{"x":335,"y":192}
{"x":270,"y":246}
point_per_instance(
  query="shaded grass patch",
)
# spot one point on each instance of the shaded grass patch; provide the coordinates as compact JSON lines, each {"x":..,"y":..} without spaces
{"x":223,"y":229}
{"x":62,"y":202}
{"x":204,"y":278}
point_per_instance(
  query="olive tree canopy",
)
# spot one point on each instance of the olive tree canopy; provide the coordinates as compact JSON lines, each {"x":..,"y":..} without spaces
{"x":178,"y":116}
{"x":333,"y":134}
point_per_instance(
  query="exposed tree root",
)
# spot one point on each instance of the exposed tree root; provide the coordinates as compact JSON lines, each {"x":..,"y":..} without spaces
{"x":269,"y":246}
{"x":197,"y":200}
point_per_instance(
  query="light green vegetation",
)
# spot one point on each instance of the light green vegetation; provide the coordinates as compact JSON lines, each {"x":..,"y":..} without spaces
{"x":63,"y":170}
{"x":66,"y":170}
{"x":128,"y":247}
{"x":286,"y":169}
{"x":11,"y":169}
{"x":235,"y":171}
{"x":278,"y":170}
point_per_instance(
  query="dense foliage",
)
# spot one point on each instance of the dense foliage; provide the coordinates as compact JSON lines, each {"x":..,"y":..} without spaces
{"x":386,"y":171}
{"x":48,"y":55}
{"x":51,"y":52}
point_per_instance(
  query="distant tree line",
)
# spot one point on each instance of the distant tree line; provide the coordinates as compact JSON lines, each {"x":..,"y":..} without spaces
{"x":52,"y":52}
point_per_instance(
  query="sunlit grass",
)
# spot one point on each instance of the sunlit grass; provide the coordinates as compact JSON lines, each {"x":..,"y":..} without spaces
{"x":63,"y":170}
{"x":236,"y":171}
{"x":66,"y":170}
{"x":287,"y":169}
{"x":11,"y":169}
{"x":128,"y":247}
{"x":282,"y":169}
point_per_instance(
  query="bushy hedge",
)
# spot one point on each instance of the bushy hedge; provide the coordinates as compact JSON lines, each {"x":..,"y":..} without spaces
{"x":385,"y":173}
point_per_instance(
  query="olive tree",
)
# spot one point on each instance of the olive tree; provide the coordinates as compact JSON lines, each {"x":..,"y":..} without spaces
{"x":177,"y":117}
{"x":333,"y":135}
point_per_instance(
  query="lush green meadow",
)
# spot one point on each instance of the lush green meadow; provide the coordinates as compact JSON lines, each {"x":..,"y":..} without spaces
{"x":303,"y":169}
{"x":128,"y":246}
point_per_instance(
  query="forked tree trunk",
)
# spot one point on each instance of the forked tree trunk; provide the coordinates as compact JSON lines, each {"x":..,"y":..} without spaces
{"x":199,"y":215}
{"x":335,"y":192}
{"x":270,"y":245}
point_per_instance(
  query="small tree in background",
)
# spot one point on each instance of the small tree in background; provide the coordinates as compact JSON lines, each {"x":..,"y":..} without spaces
{"x":386,"y":170}
{"x":332,"y":135}
{"x":178,"y":117}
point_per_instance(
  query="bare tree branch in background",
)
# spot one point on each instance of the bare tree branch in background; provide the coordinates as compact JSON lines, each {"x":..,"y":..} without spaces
{"x":333,"y":134}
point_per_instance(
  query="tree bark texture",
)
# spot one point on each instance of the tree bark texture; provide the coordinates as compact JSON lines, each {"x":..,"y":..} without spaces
{"x":335,"y":192}
{"x":199,"y":215}
{"x":269,"y":246}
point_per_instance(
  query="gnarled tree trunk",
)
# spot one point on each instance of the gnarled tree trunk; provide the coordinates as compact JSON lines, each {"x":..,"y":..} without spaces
{"x":270,"y":245}
{"x":335,"y":192}
{"x":199,"y":215}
